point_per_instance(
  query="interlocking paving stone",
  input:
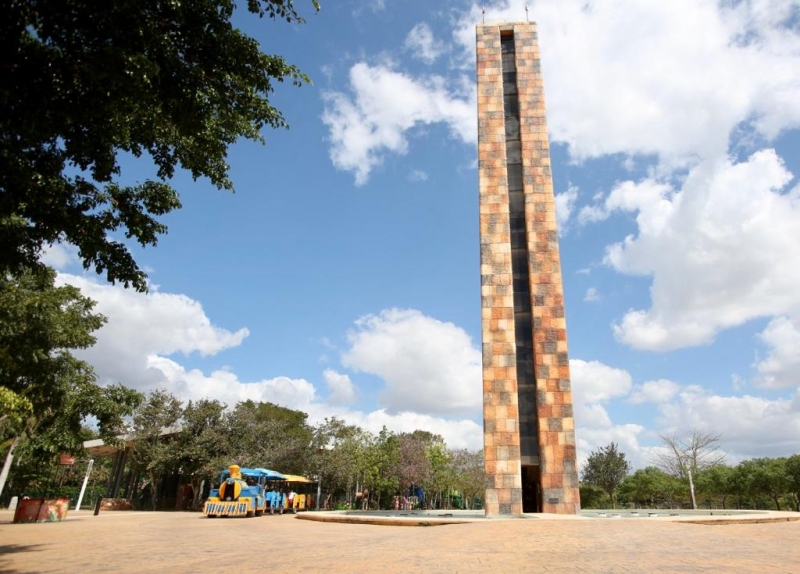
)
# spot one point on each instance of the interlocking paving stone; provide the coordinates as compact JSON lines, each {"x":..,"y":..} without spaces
{"x":179,"y":542}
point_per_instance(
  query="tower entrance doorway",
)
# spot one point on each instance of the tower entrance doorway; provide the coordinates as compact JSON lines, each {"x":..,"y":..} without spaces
{"x":531,"y":489}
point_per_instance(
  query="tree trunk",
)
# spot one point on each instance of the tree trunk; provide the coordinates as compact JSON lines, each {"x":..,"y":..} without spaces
{"x":7,"y":463}
{"x":153,"y":492}
{"x":198,"y":493}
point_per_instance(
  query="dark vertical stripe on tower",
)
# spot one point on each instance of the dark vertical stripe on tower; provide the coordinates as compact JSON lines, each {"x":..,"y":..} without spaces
{"x":521,"y":285}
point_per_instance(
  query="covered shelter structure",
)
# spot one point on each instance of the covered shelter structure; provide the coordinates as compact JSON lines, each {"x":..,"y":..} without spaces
{"x":123,"y":480}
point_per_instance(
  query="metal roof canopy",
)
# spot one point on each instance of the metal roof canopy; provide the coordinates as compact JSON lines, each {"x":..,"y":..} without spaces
{"x":98,"y":449}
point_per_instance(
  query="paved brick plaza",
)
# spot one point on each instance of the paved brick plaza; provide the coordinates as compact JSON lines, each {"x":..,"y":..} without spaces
{"x":188,"y":542}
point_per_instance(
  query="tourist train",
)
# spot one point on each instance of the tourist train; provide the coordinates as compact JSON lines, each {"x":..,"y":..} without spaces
{"x":249,"y":492}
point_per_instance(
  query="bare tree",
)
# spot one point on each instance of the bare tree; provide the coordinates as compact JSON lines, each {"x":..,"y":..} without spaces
{"x":684,"y":457}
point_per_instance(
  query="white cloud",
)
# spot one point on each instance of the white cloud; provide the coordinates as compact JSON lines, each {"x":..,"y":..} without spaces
{"x":429,"y":366}
{"x":647,"y":196}
{"x":226,"y":386}
{"x":342,"y":390}
{"x":672,"y":79}
{"x":594,"y":382}
{"x":749,"y":426}
{"x":385,"y":105}
{"x":463,"y":433}
{"x":302,"y":395}
{"x":416,"y":175}
{"x":658,"y":391}
{"x":422,"y":45}
{"x":721,"y":251}
{"x":591,"y":295}
{"x":592,"y":437}
{"x":565,"y":202}
{"x":141,"y":326}
{"x":59,"y":255}
{"x":781,"y":368}
{"x":143,"y":329}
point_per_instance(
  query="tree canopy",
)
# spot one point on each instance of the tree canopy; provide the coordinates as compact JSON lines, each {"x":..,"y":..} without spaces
{"x":54,"y":392}
{"x":82,"y":82}
{"x":46,"y":393}
{"x":606,"y":468}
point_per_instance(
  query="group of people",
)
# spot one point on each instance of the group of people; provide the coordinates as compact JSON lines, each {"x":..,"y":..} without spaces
{"x":277,"y":500}
{"x":403,"y":503}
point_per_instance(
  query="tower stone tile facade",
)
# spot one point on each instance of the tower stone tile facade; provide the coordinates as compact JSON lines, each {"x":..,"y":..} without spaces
{"x":529,"y":437}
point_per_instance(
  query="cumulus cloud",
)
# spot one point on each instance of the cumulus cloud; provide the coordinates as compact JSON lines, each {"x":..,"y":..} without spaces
{"x":627,"y":437}
{"x":750,"y":426}
{"x":669,"y":79}
{"x":146,"y":335}
{"x":226,"y":387}
{"x":458,"y":433}
{"x":595,"y":382}
{"x":565,"y":202}
{"x":428,"y":366}
{"x":302,"y":395}
{"x":59,"y":256}
{"x":781,"y":367}
{"x":384,"y":105}
{"x":342,"y":390}
{"x":721,"y":250}
{"x":144,"y":325}
{"x":422,"y":45}
{"x":591,"y":295}
{"x":658,"y":392}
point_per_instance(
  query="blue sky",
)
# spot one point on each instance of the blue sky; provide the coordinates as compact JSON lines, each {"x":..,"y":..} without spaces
{"x":342,"y":277}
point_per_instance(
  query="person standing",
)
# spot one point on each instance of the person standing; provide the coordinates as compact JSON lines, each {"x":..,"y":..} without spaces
{"x":281,"y":500}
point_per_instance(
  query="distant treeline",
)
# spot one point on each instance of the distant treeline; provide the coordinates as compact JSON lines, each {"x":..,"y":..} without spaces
{"x":761,"y":483}
{"x":353,"y":465}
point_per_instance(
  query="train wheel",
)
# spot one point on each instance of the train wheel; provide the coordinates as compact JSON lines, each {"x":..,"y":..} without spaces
{"x":211,"y":515}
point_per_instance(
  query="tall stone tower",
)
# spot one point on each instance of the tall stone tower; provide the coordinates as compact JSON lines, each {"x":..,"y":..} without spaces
{"x":529,"y":436}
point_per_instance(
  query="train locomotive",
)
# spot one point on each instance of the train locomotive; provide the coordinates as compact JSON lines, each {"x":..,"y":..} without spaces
{"x":241,"y":492}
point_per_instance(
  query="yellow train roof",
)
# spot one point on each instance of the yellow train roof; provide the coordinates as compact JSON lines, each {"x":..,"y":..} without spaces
{"x":296,"y":478}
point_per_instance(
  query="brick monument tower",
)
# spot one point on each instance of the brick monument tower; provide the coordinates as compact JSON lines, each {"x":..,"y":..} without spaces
{"x":529,"y":436}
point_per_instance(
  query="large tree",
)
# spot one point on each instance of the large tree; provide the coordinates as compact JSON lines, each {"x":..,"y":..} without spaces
{"x":341,"y":456}
{"x":156,"y":451}
{"x":49,"y":393}
{"x":606,"y":468}
{"x":268,"y":435}
{"x":83,"y":81}
{"x":650,"y":487}
{"x":202,"y":443}
{"x":470,"y":478}
{"x":793,"y":477}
